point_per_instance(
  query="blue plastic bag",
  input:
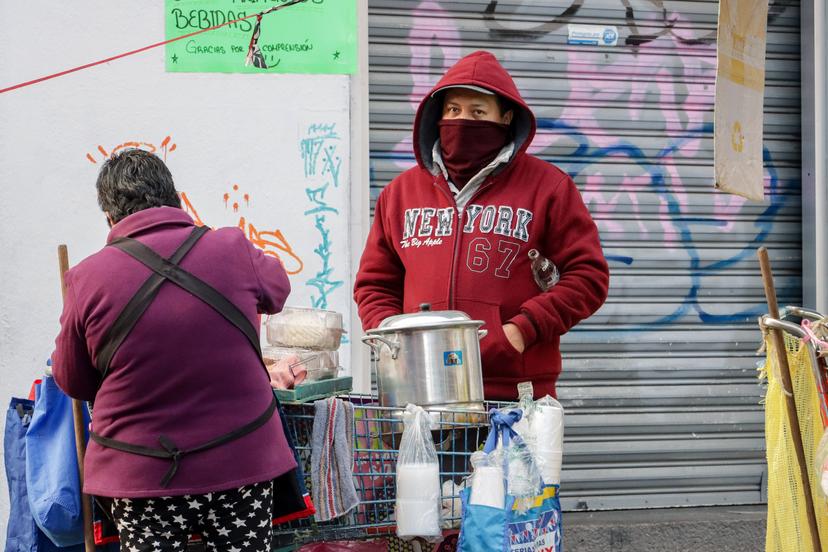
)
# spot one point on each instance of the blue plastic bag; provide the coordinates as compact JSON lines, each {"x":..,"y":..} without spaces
{"x":530,"y":524}
{"x":52,"y":479}
{"x":22,"y":534}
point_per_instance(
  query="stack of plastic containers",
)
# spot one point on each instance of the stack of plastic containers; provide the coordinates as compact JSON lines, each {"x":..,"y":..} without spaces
{"x":313,"y":336}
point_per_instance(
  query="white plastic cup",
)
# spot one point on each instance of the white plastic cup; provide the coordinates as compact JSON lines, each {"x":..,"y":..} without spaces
{"x":549,"y":465}
{"x":418,"y":518}
{"x":548,"y":427}
{"x":487,"y":487}
{"x":418,"y":500}
{"x":418,"y":481}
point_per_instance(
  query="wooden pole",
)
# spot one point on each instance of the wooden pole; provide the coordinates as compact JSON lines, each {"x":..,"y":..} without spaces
{"x":79,"y":422}
{"x":790,"y":402}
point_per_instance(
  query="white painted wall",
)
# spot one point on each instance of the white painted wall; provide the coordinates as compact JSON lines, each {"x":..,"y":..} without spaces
{"x":244,"y":130}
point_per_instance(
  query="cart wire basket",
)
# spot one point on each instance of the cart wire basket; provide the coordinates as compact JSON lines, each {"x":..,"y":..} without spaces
{"x":377,"y":435}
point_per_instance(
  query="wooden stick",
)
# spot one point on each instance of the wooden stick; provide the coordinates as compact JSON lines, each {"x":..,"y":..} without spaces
{"x":80,"y":423}
{"x":790,"y":401}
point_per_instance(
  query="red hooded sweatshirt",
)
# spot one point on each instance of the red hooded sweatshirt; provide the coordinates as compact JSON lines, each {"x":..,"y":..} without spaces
{"x":423,"y":248}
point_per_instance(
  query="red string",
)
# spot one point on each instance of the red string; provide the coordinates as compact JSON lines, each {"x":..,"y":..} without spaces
{"x":145,"y":48}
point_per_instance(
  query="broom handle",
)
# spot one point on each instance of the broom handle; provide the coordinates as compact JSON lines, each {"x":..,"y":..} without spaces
{"x":790,"y":401}
{"x":79,"y":423}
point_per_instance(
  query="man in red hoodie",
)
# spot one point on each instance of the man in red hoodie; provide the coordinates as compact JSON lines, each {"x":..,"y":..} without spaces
{"x":455,"y":230}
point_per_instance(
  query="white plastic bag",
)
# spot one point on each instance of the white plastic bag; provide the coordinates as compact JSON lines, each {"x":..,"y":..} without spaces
{"x":542,"y":429}
{"x":418,"y":479}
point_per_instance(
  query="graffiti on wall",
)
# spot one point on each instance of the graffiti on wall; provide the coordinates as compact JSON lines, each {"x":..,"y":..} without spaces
{"x":625,"y":176}
{"x":271,"y":241}
{"x":319,"y":146}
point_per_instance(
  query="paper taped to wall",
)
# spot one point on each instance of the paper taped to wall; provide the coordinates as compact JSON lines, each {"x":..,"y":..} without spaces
{"x":740,"y":85}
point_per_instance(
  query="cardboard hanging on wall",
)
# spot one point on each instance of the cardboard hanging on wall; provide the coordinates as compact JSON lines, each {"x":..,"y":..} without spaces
{"x":740,"y":88}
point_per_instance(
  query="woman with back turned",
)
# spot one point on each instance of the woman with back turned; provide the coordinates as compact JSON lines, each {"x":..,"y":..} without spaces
{"x":160,"y":329}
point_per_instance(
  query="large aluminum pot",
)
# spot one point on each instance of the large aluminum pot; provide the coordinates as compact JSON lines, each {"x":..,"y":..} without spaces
{"x":429,"y":358}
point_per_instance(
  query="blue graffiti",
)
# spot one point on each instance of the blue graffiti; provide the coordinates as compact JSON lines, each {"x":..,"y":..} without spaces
{"x":653,"y":167}
{"x":323,"y":281}
{"x":311,"y":146}
{"x":318,"y":143}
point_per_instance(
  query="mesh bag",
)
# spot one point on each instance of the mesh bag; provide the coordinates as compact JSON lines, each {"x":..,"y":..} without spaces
{"x":787,"y":529}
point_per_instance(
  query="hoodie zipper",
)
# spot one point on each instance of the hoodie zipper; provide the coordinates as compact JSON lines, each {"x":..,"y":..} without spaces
{"x":458,"y":233}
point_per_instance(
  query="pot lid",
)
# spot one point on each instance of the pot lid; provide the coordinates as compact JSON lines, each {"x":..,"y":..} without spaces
{"x":425,"y":319}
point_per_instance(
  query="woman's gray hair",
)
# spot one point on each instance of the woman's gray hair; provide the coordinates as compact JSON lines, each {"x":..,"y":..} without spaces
{"x":134,"y":180}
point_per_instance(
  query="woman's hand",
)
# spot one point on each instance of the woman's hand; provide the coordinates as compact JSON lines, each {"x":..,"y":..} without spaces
{"x":286,"y":372}
{"x":514,"y":336}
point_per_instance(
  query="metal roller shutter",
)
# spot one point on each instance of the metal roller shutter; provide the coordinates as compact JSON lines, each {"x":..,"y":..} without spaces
{"x":660,"y":385}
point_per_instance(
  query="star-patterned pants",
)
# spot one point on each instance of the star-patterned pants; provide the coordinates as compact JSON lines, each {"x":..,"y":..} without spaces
{"x":238,"y":520}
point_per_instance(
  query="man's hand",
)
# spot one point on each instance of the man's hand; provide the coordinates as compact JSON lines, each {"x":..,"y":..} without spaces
{"x":514,"y":336}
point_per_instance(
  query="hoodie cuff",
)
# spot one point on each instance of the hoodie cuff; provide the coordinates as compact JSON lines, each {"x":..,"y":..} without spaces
{"x":527,"y":329}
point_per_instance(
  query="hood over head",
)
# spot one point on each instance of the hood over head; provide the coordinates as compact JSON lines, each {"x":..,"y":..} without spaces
{"x":478,"y":71}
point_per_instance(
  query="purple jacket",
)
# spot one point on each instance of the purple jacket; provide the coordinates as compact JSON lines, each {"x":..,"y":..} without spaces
{"x":184,"y":371}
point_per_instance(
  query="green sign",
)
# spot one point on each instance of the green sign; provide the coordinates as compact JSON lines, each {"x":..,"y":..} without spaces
{"x":315,"y":36}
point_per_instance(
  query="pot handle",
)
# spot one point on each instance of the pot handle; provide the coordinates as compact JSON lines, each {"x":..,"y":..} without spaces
{"x":482,"y":333}
{"x":393,"y":346}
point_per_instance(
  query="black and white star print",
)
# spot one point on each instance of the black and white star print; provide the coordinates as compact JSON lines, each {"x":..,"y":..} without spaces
{"x":238,"y":520}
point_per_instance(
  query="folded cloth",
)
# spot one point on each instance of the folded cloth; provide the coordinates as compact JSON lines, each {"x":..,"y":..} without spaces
{"x":332,"y":459}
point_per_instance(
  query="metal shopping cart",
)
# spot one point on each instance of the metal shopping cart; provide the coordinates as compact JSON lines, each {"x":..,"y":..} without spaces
{"x":377,"y":432}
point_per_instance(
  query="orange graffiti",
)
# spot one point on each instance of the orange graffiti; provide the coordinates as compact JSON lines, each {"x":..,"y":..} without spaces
{"x":246,"y":198}
{"x":272,"y":243}
{"x":263,"y":241}
{"x":189,"y":209}
{"x":146,"y":146}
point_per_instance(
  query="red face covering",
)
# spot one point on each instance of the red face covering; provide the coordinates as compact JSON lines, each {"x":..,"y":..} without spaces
{"x":468,"y":145}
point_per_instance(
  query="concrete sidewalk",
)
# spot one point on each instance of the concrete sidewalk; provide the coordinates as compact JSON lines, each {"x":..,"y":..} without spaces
{"x":713,"y":529}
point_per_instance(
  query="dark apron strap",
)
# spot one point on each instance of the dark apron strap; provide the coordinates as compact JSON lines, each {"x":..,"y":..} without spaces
{"x":170,"y":449}
{"x":138,"y":304}
{"x":192,"y":284}
{"x":167,"y":269}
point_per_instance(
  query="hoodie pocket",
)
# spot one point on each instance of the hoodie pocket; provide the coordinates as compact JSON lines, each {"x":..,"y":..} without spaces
{"x":500,"y":358}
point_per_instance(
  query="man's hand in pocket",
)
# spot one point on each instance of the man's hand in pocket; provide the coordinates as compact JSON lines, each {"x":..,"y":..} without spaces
{"x":514,"y":336}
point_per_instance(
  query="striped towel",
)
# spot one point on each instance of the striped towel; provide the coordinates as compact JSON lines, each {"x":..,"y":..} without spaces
{"x":332,"y":459}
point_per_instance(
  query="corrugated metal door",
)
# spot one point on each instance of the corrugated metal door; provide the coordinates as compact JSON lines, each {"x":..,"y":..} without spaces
{"x":660,"y":385}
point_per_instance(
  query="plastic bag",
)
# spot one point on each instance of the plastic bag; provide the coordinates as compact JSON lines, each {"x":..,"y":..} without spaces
{"x":418,"y":479}
{"x":52,"y":479}
{"x":523,"y":480}
{"x":494,"y":518}
{"x":526,"y":405}
{"x":547,"y":429}
{"x":541,"y":428}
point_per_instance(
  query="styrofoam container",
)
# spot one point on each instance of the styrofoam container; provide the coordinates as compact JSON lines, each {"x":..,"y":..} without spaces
{"x":305,"y":328}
